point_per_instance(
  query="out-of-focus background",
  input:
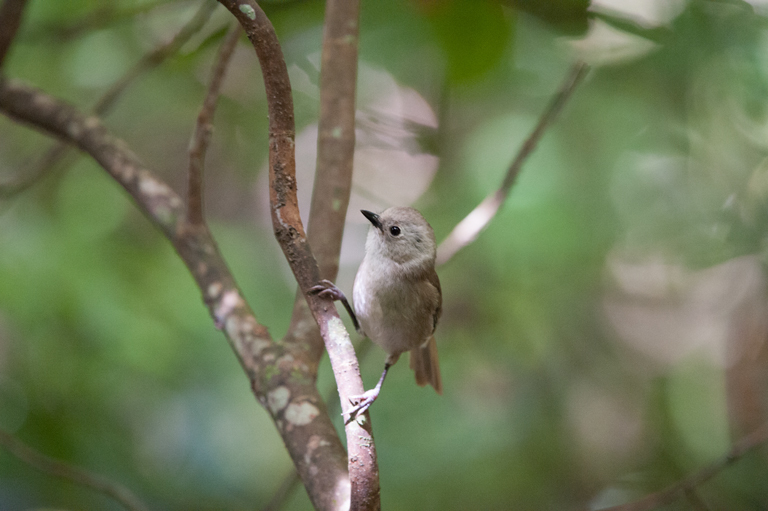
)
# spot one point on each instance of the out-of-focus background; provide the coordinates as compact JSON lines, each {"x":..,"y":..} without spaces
{"x":602,"y":338}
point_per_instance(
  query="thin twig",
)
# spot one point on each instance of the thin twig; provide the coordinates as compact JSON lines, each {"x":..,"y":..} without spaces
{"x":11,"y":12}
{"x":470,"y":227}
{"x":204,"y":126}
{"x":755,"y":439}
{"x":106,"y":101}
{"x":58,"y":468}
{"x":105,"y":15}
{"x":156,"y":57}
{"x":37,"y":170}
{"x":615,"y":19}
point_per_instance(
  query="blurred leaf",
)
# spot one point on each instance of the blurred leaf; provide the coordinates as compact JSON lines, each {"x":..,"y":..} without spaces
{"x":473,"y":35}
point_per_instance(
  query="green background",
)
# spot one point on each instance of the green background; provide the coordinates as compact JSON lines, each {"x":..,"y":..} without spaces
{"x":588,"y":335}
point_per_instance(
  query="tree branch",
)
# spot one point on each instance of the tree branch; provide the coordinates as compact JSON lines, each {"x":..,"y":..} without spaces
{"x":280,"y":378}
{"x":289,"y":232}
{"x":36,"y":170}
{"x":204,"y":126}
{"x":335,"y":153}
{"x":468,"y":229}
{"x":336,"y":134}
{"x":104,"y":104}
{"x":10,"y":20}
{"x":330,"y":200}
{"x":291,"y":478}
{"x":688,"y":485}
{"x":288,"y":393}
{"x":58,"y":468}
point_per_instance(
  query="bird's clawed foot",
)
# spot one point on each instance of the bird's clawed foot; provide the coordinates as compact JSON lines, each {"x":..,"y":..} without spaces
{"x":327,"y":289}
{"x":361,"y":403}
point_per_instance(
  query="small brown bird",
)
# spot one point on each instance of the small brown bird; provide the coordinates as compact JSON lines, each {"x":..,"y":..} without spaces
{"x":397,"y":296}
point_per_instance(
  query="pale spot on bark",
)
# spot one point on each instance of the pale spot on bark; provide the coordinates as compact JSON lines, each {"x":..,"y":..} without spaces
{"x":214,"y":290}
{"x":248,"y":11}
{"x":301,"y":414}
{"x":229,"y":301}
{"x":277,"y":399}
{"x":343,"y":487}
{"x":315,"y":442}
{"x":259,"y":345}
{"x":152,"y":187}
{"x":338,"y":334}
{"x":91,"y":122}
{"x":40,"y":100}
{"x":74,"y":130}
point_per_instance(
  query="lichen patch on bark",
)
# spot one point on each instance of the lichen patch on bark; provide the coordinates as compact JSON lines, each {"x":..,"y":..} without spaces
{"x":277,"y":399}
{"x":301,"y":414}
{"x":337,"y":333}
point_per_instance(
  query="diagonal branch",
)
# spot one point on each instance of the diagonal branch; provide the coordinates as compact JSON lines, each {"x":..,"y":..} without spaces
{"x":468,"y":229}
{"x":11,"y":12}
{"x":280,"y":379}
{"x":687,"y":486}
{"x":58,"y":468}
{"x":204,"y":127}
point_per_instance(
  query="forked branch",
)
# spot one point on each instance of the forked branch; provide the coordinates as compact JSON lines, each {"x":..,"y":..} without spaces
{"x":289,"y":232}
{"x":280,"y":379}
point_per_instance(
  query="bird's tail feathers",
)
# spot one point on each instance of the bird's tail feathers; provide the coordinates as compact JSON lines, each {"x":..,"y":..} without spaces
{"x":425,"y":364}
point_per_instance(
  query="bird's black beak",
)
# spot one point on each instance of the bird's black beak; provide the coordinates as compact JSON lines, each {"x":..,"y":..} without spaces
{"x":372,"y":217}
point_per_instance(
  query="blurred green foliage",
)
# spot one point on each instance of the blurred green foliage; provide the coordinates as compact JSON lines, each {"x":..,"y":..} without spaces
{"x":568,"y":379}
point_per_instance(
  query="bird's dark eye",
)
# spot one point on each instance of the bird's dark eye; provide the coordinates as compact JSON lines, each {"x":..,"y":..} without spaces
{"x":394,"y":230}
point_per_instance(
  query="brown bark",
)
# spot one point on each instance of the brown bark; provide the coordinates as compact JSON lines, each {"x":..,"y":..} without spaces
{"x":289,"y":232}
{"x":279,"y":377}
